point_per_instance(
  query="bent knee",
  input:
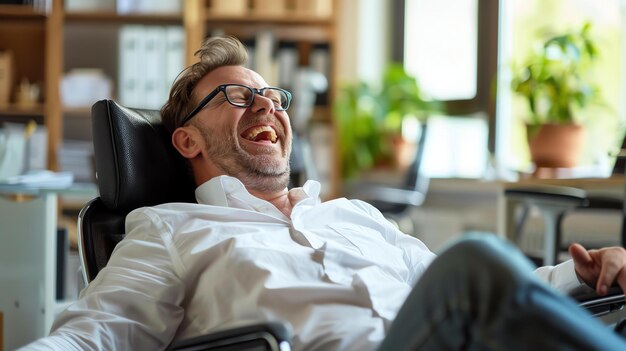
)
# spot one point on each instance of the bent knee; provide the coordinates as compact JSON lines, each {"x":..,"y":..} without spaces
{"x":486,"y":252}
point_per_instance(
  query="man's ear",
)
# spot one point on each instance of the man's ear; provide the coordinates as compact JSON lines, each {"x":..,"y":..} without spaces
{"x":187,"y":141}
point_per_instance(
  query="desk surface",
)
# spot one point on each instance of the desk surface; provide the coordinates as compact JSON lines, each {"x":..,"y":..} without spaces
{"x":611,"y":187}
{"x":76,"y":189}
{"x":573,"y":182}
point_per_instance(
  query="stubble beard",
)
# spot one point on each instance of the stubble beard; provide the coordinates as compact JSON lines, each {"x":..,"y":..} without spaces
{"x":263,"y":173}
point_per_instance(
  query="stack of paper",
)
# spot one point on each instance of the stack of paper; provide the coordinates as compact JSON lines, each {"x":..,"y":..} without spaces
{"x":43,"y":179}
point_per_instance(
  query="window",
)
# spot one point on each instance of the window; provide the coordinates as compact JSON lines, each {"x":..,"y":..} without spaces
{"x":527,"y":22}
{"x":451,"y":47}
{"x":441,"y":46}
{"x":463,"y":51}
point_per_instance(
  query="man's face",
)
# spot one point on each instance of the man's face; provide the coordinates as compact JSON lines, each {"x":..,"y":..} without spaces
{"x":252,"y":144}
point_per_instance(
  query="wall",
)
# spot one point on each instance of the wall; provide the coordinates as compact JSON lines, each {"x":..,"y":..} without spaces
{"x":363,"y":34}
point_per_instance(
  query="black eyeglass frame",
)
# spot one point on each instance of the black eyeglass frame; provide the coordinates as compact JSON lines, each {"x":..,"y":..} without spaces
{"x":222,"y":88}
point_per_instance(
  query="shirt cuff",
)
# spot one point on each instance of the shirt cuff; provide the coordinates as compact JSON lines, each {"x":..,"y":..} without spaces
{"x":562,"y":277}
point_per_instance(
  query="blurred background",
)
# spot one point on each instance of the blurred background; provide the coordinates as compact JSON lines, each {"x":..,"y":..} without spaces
{"x":428,"y":109}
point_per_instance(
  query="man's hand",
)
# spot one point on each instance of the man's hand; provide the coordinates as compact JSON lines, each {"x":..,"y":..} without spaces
{"x":601,"y":267}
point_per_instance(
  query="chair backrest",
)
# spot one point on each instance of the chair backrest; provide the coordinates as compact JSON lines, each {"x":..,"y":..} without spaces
{"x":414,"y":179}
{"x":619,"y":167}
{"x":136,"y":166}
{"x":414,"y":182}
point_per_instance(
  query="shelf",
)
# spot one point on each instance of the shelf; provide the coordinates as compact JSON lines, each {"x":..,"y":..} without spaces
{"x":112,"y":17}
{"x":286,"y":19}
{"x":45,"y":43}
{"x":14,"y":110}
{"x":17,"y":12}
{"x":294,"y":33}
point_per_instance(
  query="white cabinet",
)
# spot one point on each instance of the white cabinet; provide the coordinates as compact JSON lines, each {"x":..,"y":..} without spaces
{"x":27,"y":266}
{"x":28,"y":261}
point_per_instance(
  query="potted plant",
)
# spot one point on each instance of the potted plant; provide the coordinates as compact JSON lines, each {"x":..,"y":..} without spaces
{"x":370,"y":120}
{"x":555,"y":84}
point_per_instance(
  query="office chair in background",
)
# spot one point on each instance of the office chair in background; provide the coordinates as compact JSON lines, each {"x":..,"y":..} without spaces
{"x":137,"y":166}
{"x":395,"y":202}
{"x":556,"y":202}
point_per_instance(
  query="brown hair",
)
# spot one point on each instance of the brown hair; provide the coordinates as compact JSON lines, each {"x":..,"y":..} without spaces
{"x":214,"y":53}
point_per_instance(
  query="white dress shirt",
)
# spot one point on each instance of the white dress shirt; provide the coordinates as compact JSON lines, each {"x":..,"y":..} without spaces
{"x":337,"y":271}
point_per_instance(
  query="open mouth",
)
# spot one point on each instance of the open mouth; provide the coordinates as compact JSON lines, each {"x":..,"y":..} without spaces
{"x":260,"y":134}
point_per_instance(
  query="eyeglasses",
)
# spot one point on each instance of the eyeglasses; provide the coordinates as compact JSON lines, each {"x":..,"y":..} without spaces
{"x":243,"y":96}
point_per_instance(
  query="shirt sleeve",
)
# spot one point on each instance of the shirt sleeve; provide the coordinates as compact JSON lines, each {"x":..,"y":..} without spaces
{"x":134,"y":303}
{"x":562,"y":276}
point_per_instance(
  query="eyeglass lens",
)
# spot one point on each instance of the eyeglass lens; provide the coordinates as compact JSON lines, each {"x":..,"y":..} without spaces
{"x":243,"y":96}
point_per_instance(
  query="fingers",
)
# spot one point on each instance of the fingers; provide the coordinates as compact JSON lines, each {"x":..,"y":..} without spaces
{"x":613,"y":269}
{"x":604,"y":266}
{"x":579,"y":254}
{"x":584,"y":264}
{"x":606,"y":277}
{"x":621,"y":279}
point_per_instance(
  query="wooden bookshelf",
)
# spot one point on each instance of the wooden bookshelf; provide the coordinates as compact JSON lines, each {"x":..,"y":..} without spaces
{"x":42,"y":54}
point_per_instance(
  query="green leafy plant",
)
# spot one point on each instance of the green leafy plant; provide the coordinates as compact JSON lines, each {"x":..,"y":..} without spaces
{"x":555,"y":81}
{"x":369,"y":118}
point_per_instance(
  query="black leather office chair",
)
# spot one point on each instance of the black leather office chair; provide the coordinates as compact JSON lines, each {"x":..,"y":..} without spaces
{"x":136,"y":166}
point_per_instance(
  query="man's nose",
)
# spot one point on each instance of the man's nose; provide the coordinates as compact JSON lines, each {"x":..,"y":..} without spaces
{"x":261,"y":103}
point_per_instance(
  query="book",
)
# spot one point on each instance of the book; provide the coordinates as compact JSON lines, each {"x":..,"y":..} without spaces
{"x":77,"y":157}
{"x":150,"y":59}
{"x":152,"y":83}
{"x":130,"y":65}
{"x":174,"y":56}
{"x":287,"y":62}
{"x":263,"y":56}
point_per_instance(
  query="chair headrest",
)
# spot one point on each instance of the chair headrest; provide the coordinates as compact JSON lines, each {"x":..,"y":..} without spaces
{"x":136,"y":164}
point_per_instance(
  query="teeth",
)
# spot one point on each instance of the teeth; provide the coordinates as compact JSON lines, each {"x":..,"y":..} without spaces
{"x":253,"y":133}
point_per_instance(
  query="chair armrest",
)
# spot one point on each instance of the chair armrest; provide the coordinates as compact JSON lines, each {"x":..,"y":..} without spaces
{"x":598,"y":305}
{"x":370,"y":192}
{"x":391,"y":195}
{"x":549,"y":194}
{"x":270,"y":336}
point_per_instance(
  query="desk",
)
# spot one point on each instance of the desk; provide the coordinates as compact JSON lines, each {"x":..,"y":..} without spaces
{"x":28,"y":254}
{"x":573,"y":191}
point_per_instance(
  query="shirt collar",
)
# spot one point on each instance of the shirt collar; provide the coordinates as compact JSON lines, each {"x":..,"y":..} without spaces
{"x":227,"y":191}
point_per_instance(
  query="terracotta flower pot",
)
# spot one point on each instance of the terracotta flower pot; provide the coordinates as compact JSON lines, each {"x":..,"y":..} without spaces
{"x":556,"y":145}
{"x":403,"y":152}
